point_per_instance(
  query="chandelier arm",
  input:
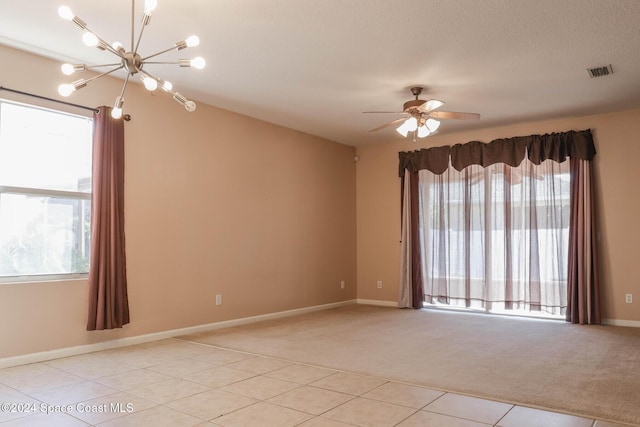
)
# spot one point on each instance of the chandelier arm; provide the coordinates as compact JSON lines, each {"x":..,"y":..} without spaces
{"x":162,"y":83}
{"x":116,"y":64}
{"x":162,"y":63}
{"x":111,"y":49}
{"x":133,"y":10}
{"x":145,"y":21}
{"x":79,"y":22}
{"x":159,"y":53}
{"x":197,"y":62}
{"x":177,"y":96}
{"x":173,"y":93}
{"x":104,"y":74}
{"x":124,"y":86}
{"x":104,"y":45}
{"x":146,"y":73}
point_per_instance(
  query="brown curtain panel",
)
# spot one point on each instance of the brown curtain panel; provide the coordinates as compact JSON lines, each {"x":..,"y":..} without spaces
{"x":411,"y":289}
{"x":108,"y":302}
{"x":582,"y":287}
{"x":583,"y":302}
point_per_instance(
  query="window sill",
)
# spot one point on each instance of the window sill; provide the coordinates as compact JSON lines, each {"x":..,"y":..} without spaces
{"x":50,"y":278}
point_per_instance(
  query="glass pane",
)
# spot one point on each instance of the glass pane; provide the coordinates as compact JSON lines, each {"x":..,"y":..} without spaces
{"x":43,"y":235}
{"x":44,"y":149}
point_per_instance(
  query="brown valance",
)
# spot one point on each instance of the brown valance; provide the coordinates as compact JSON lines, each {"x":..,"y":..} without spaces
{"x":511,"y":151}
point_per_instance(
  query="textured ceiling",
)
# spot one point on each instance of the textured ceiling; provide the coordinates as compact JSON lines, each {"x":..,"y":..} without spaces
{"x":315,"y":66}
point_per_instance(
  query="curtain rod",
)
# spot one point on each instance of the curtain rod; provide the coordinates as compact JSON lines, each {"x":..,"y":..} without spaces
{"x":95,"y":110}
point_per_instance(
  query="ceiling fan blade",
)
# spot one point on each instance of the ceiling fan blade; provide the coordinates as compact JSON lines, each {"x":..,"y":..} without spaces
{"x":393,"y":122}
{"x":430,"y":105}
{"x":383,"y":112}
{"x":454,"y":115}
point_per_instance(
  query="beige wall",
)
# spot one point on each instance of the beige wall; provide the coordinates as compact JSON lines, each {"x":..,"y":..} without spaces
{"x":617,"y":173}
{"x":216,"y":203}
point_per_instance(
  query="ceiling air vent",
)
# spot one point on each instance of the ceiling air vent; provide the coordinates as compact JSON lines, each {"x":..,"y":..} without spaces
{"x":600,"y":71}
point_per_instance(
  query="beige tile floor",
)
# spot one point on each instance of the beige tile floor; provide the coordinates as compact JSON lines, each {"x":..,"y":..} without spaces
{"x":176,"y":383}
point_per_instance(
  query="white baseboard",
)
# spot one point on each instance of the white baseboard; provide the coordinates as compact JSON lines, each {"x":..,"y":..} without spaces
{"x":377,"y":302}
{"x":141,"y":339}
{"x":616,"y":322}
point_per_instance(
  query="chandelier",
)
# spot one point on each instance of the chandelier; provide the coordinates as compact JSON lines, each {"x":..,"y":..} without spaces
{"x":132,"y":62}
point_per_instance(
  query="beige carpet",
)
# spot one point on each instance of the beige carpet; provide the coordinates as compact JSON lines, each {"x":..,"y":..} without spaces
{"x":585,"y":370}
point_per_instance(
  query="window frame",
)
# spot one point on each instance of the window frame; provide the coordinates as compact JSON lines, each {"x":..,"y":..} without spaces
{"x":49,"y":193}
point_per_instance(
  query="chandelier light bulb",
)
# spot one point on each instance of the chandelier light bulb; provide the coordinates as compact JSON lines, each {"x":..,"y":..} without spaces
{"x":149,"y":83}
{"x":90,"y":39}
{"x":116,"y":113}
{"x":67,"y":69}
{"x":190,"y":106}
{"x":150,"y":6}
{"x":198,"y":62}
{"x":118,"y":47}
{"x":166,"y":85}
{"x":66,"y":89}
{"x":192,"y":41}
{"x":65,"y":13}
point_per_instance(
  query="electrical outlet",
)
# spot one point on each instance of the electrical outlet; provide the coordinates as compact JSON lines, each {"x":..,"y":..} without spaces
{"x":342,"y":284}
{"x":379,"y":284}
{"x":219,"y":299}
{"x":629,"y":298}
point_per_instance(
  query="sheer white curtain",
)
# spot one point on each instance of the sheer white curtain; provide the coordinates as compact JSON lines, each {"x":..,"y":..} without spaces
{"x":496,"y":238}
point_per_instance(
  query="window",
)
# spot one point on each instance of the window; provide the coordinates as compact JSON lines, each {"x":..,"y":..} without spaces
{"x":45,"y":192}
{"x":496,"y":238}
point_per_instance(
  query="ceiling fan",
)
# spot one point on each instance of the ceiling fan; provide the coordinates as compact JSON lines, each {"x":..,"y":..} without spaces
{"x":422,"y":120}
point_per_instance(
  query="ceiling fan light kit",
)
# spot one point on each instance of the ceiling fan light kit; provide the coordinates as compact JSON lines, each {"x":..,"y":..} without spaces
{"x":422,"y":116}
{"x":132,"y":62}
